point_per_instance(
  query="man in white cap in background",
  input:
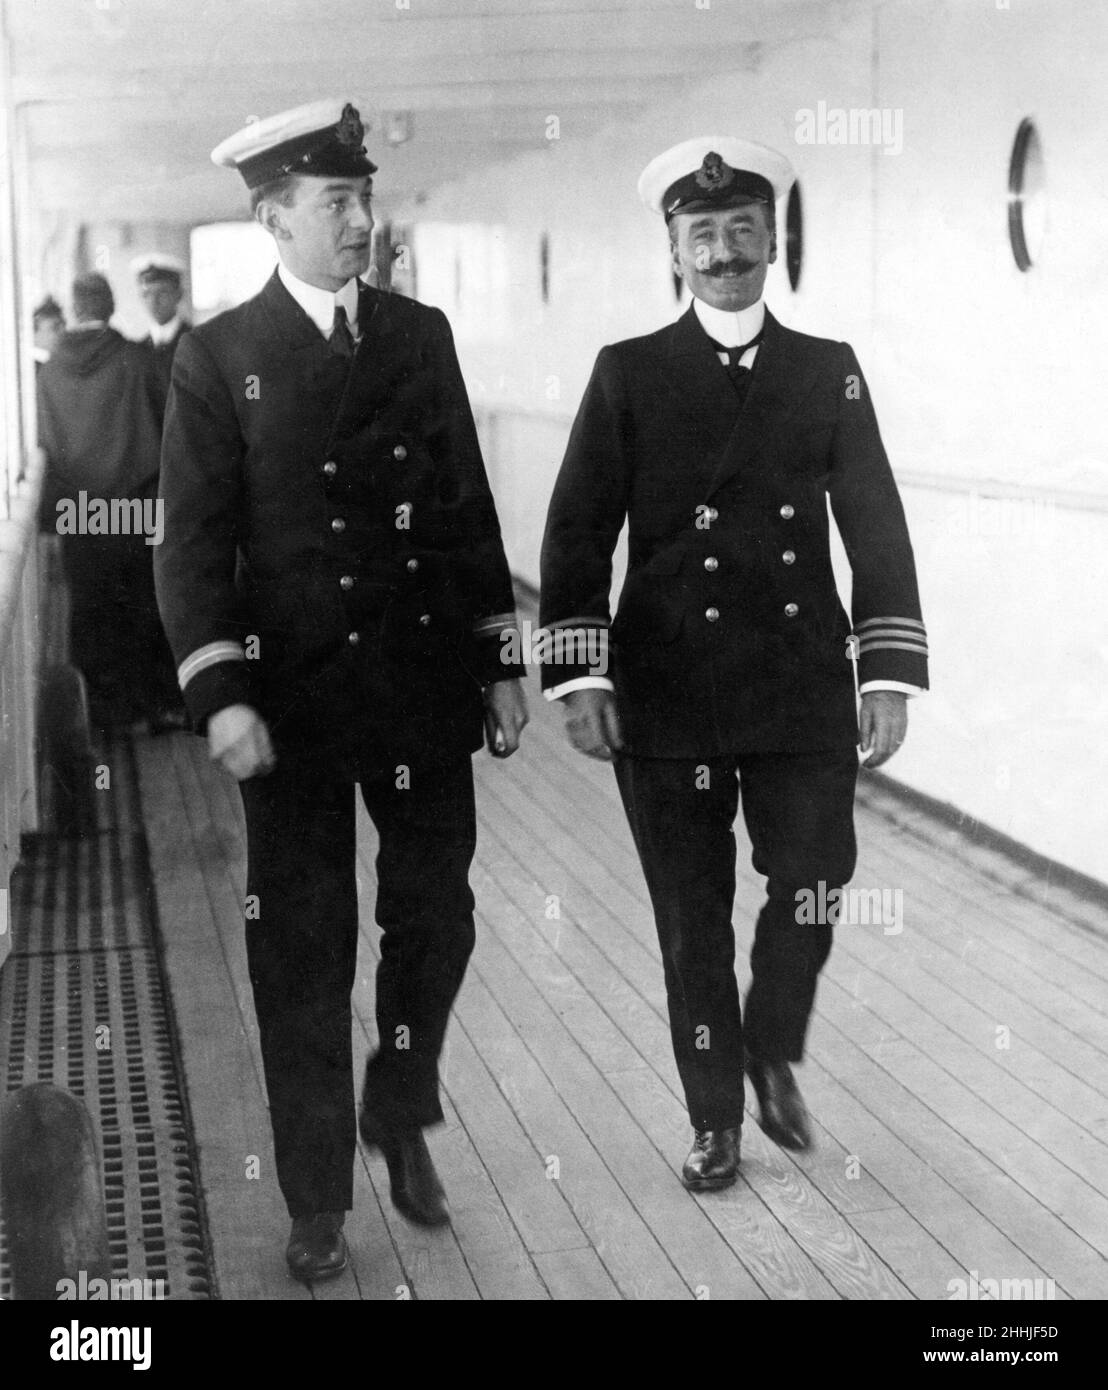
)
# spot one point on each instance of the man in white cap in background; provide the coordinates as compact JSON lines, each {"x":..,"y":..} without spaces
{"x":719,"y":440}
{"x":160,"y":279}
{"x":334,"y":586}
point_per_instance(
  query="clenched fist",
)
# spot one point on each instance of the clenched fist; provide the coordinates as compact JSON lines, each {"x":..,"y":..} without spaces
{"x":505,"y":717}
{"x":239,"y":741}
{"x":592,"y":723}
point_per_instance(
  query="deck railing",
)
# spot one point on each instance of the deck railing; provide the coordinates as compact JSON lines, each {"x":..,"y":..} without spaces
{"x":20,"y":645}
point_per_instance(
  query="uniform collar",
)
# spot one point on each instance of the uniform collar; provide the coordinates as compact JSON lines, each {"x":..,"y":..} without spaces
{"x":163,"y":333}
{"x":319,"y":305}
{"x":727,"y":327}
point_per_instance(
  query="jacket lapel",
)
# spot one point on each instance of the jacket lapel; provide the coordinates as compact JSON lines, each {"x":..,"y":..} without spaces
{"x":332,"y":390}
{"x":293,"y":332}
{"x":779,"y":385}
{"x":699,"y":381}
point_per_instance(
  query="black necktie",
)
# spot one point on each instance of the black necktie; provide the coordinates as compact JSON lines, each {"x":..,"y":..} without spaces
{"x":740,"y":376}
{"x":342,"y":343}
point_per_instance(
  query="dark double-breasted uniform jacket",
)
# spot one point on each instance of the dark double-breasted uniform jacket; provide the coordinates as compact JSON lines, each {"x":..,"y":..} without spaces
{"x":730,"y":636}
{"x":332,"y":554}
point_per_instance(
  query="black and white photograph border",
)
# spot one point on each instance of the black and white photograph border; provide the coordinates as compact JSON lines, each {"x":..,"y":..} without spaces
{"x":481,"y":484}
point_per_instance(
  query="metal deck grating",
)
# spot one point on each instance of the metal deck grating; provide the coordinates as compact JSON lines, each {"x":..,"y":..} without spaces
{"x":85,"y":960}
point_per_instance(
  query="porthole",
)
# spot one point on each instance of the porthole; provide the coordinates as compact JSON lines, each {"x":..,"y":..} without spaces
{"x":1026,"y":196}
{"x":794,"y":235}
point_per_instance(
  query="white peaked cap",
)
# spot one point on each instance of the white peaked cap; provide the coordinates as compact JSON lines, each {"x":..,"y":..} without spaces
{"x":258,"y":136}
{"x":323,"y":137}
{"x":713,"y":170}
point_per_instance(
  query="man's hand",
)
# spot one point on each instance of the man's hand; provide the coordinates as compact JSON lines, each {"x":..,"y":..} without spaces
{"x":505,"y":717}
{"x":593,"y":724}
{"x":883,"y":725}
{"x":239,"y":741}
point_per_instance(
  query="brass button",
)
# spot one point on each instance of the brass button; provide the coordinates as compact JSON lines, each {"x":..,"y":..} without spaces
{"x":713,"y":515}
{"x":354,"y":638}
{"x":789,"y":557}
{"x":330,"y":468}
{"x":338,"y":525}
{"x":711,"y":563}
{"x":400,"y":453}
{"x":347,"y":581}
{"x":788,"y":511}
{"x":425,"y":620}
{"x":413,"y":565}
{"x":791,"y":610}
{"x":712,"y":614}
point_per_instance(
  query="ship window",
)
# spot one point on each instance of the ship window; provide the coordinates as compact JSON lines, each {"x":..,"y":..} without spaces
{"x":794,"y":235}
{"x":1026,"y":196}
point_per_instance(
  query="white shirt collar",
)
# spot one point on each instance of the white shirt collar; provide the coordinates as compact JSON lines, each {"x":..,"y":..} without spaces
{"x":731,"y":327}
{"x":319,"y":305}
{"x":162,"y":333}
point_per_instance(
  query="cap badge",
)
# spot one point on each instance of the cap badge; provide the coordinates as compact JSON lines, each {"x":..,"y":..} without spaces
{"x":350,"y":130}
{"x":714,"y":174}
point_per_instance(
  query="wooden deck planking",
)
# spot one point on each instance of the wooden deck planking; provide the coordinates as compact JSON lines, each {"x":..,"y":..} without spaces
{"x":871,"y":845}
{"x":941,"y":1007}
{"x":1028,"y":897}
{"x":483,"y":1236}
{"x":1002,"y":1091}
{"x":560,"y":1049}
{"x":919,"y":1190}
{"x":1075,"y":1145}
{"x":610,"y":797}
{"x":624,"y":1242}
{"x":644,"y":1176}
{"x":225,"y":1095}
{"x":1029,"y":1226}
{"x":999,"y":924}
{"x":576,"y":1275}
{"x":808,"y":1230}
{"x":953,"y":928}
{"x":375,"y":1269}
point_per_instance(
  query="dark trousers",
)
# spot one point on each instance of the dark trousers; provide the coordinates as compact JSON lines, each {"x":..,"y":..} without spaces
{"x":798,"y":810}
{"x":302,"y":943}
{"x":115,"y":633}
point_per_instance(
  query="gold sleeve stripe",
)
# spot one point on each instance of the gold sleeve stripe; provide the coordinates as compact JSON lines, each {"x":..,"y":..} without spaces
{"x":874,"y":645}
{"x":891,"y":621}
{"x":580,"y":622}
{"x":211,"y":655}
{"x":498,"y":622}
{"x":903,"y":632}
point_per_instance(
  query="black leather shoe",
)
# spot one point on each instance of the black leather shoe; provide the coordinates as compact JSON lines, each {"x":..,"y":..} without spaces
{"x":317,"y":1246}
{"x":714,"y":1161}
{"x":413,"y":1183}
{"x":783,"y":1117}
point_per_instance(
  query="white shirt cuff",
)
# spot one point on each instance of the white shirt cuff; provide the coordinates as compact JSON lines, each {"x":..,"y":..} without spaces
{"x":890,"y":685}
{"x":581,"y":683}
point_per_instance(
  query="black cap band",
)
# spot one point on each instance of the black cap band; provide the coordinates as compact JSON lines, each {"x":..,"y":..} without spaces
{"x":334,"y":152}
{"x":713,"y":186}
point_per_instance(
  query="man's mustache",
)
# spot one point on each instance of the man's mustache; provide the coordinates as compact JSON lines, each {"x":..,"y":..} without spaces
{"x":738,"y":266}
